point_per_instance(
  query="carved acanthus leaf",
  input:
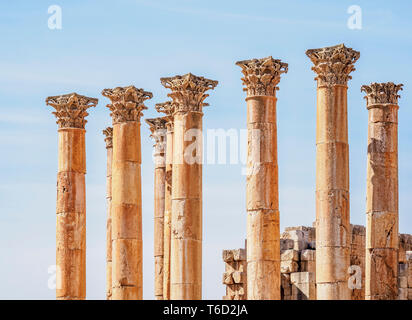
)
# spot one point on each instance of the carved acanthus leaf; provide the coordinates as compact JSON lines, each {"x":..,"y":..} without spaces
{"x":382,"y":93}
{"x":71,"y":109}
{"x":261,"y":76}
{"x":333,"y":64}
{"x":188,"y":91}
{"x":108,"y":132}
{"x":127,"y":103}
{"x":167,"y":108}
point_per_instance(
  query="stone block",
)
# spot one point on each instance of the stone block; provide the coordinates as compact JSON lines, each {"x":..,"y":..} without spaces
{"x":402,"y":294}
{"x":289,"y":266}
{"x":227,"y":278}
{"x":298,"y":236}
{"x":408,"y":255}
{"x":290,"y":254}
{"x":302,"y":277}
{"x":402,"y":282}
{"x":286,"y":244}
{"x":228,"y":255}
{"x":308,"y":255}
{"x":239,"y":254}
{"x":309,"y":266}
{"x":403,"y":270}
{"x":304,"y":291}
{"x":239,"y":277}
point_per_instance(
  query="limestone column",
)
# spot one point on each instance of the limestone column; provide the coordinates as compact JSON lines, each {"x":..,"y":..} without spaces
{"x":108,"y":132}
{"x":126,"y":110}
{"x":261,"y":79}
{"x":332,"y":66}
{"x":382,"y":227}
{"x":167,"y":108}
{"x":158,"y":129}
{"x":71,"y":195}
{"x":188,"y":94}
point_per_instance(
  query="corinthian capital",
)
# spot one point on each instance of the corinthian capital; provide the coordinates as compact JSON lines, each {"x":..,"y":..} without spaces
{"x":127,"y":103}
{"x":333,"y":64}
{"x":261,"y":76}
{"x":158,"y":129}
{"x":71,"y":109}
{"x":188,"y":91}
{"x":108,"y":132}
{"x":382,"y":93}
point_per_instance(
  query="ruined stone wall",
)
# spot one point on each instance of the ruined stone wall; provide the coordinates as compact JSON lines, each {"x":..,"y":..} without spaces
{"x":298,"y":265}
{"x":405,"y":276}
{"x":235,"y":275}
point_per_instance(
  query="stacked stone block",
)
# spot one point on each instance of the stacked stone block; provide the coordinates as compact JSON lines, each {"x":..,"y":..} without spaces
{"x":405,"y":244}
{"x":235,"y":273}
{"x":298,"y":265}
{"x":405,"y":277}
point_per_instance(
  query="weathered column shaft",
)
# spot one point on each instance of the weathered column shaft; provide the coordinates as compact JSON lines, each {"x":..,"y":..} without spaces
{"x":71,"y":195}
{"x":108,"y":132}
{"x":127,"y":273}
{"x":158,"y":129}
{"x":168,"y":211}
{"x":167,"y":108}
{"x":382,"y":227}
{"x":261,"y":78}
{"x":332,"y":65}
{"x":186,"y":224}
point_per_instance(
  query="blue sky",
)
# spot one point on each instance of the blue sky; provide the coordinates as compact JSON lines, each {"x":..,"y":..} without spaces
{"x":103,"y":44}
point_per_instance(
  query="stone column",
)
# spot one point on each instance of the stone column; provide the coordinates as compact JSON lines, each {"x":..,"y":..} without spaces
{"x":108,"y":132}
{"x":188,"y":94}
{"x":332,"y":65}
{"x":71,"y":195}
{"x":261,"y":77}
{"x":167,"y":108}
{"x":382,"y":227}
{"x":158,"y":129}
{"x":126,"y":110}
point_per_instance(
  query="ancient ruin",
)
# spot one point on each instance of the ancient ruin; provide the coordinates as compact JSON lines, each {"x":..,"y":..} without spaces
{"x":298,"y":266}
{"x":332,"y":260}
{"x":71,"y":111}
{"x":108,"y":132}
{"x":167,"y":108}
{"x":261,"y":79}
{"x":158,"y":129}
{"x":126,"y":110}
{"x":332,"y":66}
{"x":188,"y":95}
{"x":382,"y":192}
